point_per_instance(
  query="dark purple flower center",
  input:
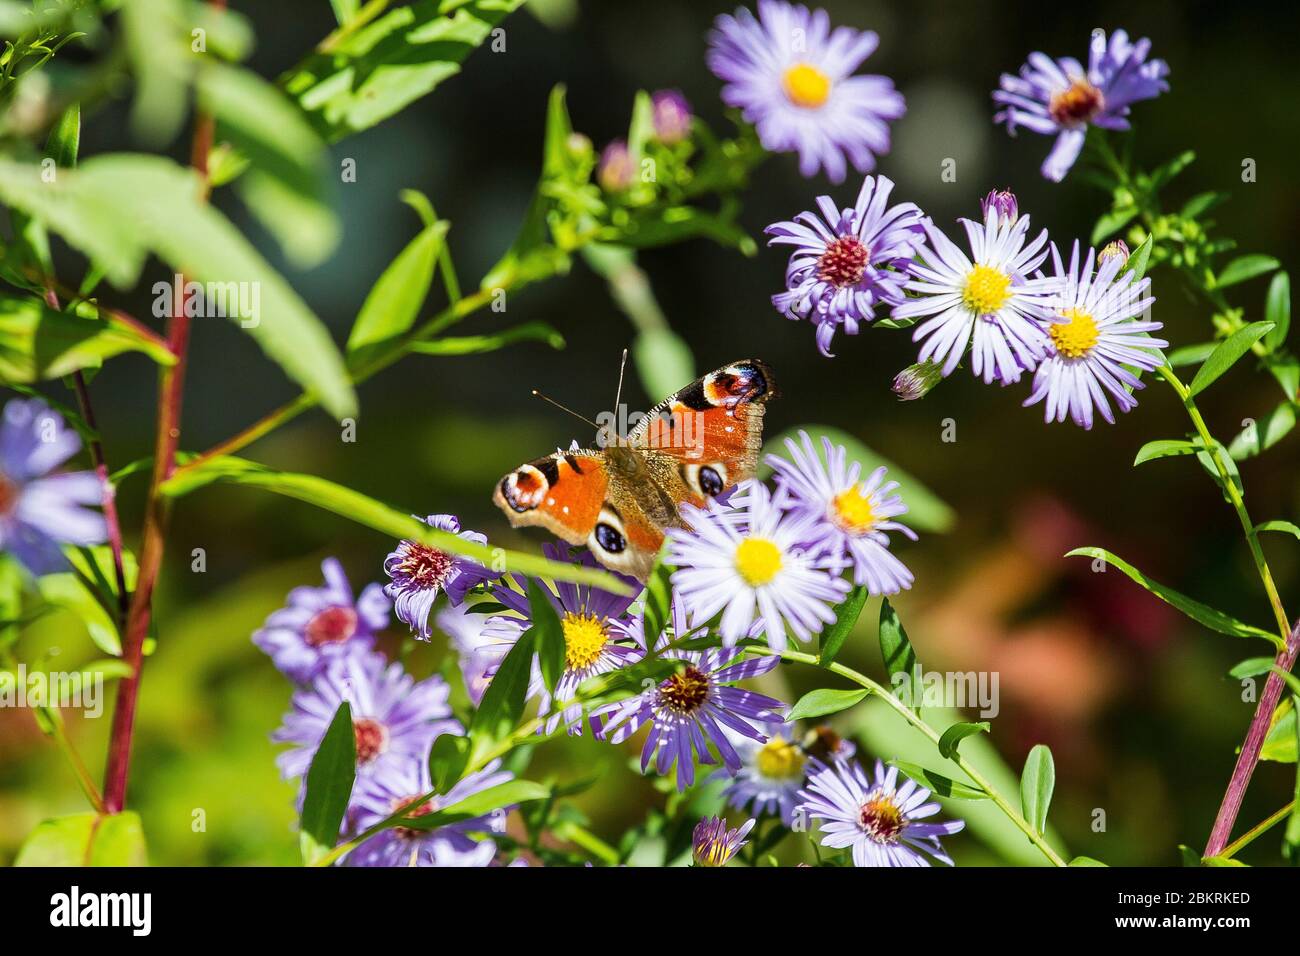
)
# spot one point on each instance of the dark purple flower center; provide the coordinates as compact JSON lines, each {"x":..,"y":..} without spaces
{"x":371,"y":737}
{"x":8,"y":495}
{"x":843,"y":262}
{"x":881,"y":818}
{"x":1077,"y":105}
{"x":334,"y":625}
{"x":407,"y":804}
{"x":686,"y":692}
{"x":424,"y":566}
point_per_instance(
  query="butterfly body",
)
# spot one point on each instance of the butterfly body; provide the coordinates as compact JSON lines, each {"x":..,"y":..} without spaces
{"x":618,"y":500}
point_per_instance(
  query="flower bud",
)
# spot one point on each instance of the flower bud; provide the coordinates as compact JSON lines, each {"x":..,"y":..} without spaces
{"x":915,"y":381}
{"x":1115,"y":249}
{"x":615,"y":172}
{"x":672,"y":116}
{"x":1004,"y":201}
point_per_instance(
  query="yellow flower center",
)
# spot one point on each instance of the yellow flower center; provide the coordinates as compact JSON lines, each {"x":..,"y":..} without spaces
{"x":758,"y":560}
{"x":806,"y":86}
{"x":584,"y":639}
{"x":986,"y":290}
{"x":1075,"y":335}
{"x":851,"y":511}
{"x":780,"y":760}
{"x":881,"y":817}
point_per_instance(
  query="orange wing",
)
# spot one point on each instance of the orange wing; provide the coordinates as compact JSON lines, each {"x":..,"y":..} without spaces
{"x":713,"y":427}
{"x":562,"y":492}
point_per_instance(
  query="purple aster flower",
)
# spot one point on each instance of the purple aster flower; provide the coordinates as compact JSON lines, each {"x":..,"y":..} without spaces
{"x":456,"y":844}
{"x":877,"y":818}
{"x":751,"y":556}
{"x":985,"y":300}
{"x":395,"y":719}
{"x":318,"y":624}
{"x":597,"y":635}
{"x":848,"y":517}
{"x":672,"y":116}
{"x":419,"y":572}
{"x":38,"y":510}
{"x":846,"y":263}
{"x":616,"y":170}
{"x":714,"y":845}
{"x":1096,"y":342}
{"x":770,"y":776}
{"x":692,"y":707}
{"x":792,"y":76}
{"x":1060,"y":98}
{"x":917,"y":380}
{"x":1004,"y":201}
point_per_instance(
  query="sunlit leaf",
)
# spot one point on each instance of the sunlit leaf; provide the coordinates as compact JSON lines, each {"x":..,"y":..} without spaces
{"x":1226,"y":355}
{"x":1036,"y":785}
{"x":819,"y":703}
{"x":330,"y":778}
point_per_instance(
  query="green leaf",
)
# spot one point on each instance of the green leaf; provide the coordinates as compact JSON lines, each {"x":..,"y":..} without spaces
{"x":847,"y":613}
{"x":288,"y":185}
{"x":85,"y":839}
{"x":65,"y":138}
{"x":663,"y":361}
{"x":117,"y":209}
{"x":1283,"y":527}
{"x":896,"y":651}
{"x":478,"y":344}
{"x":38,"y":343}
{"x":1201,"y":613}
{"x":1165,"y":448}
{"x":1277,"y":309}
{"x":1280,"y":742}
{"x":958,"y":732}
{"x":365,"y":510}
{"x":1112,"y":222}
{"x":925,"y":511}
{"x":1226,"y":355}
{"x":503,"y":701}
{"x":1220,"y":861}
{"x":1202,"y":203}
{"x":551,"y":647}
{"x":330,"y":777}
{"x":372,"y":73}
{"x":1265,"y":433}
{"x":657,"y":602}
{"x":819,"y":703}
{"x":1243,"y":268}
{"x":1036,"y":786}
{"x":942,"y":786}
{"x":345,"y":10}
{"x":1167,"y":171}
{"x":508,"y":794}
{"x":1138,"y":259}
{"x":1251,"y":667}
{"x":1285,"y":369}
{"x":395,"y":299}
{"x":447,"y":760}
{"x":1085,"y":861}
{"x":69,"y":591}
{"x":1192,"y":354}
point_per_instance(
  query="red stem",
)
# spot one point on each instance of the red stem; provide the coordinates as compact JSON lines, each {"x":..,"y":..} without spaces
{"x":1250,"y":749}
{"x":171,"y":385}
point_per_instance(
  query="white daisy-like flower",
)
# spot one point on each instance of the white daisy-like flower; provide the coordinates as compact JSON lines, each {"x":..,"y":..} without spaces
{"x":1096,"y":341}
{"x":771,"y":774}
{"x":750,"y":557}
{"x":851,"y":516}
{"x":877,"y":818}
{"x":985,"y":299}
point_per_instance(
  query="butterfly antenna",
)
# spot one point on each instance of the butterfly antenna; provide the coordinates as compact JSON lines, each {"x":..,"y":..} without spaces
{"x":565,"y":408}
{"x":618,"y":396}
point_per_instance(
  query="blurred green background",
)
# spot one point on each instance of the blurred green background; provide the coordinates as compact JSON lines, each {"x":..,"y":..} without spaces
{"x":1132,"y":698}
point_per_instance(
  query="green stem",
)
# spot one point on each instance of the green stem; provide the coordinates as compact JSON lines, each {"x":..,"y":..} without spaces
{"x":912,"y":718}
{"x":1215,"y":451}
{"x":1258,"y":829}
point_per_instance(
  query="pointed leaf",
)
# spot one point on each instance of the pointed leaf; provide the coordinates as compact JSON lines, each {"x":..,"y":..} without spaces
{"x":819,"y":703}
{"x":846,"y":618}
{"x":330,"y":777}
{"x":958,"y":732}
{"x":1277,"y":309}
{"x":938,"y":784}
{"x":1164,"y":448}
{"x":503,"y":701}
{"x":551,"y":650}
{"x":897,"y":653}
{"x":1244,"y":268}
{"x":394,"y":301}
{"x":1226,"y":355}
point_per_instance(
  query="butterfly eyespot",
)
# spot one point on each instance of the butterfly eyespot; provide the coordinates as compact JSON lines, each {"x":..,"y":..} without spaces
{"x":609,"y":538}
{"x":710,"y":482}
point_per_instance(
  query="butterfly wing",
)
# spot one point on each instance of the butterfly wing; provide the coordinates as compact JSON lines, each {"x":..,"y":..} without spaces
{"x":577,"y":497}
{"x":712,"y":429}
